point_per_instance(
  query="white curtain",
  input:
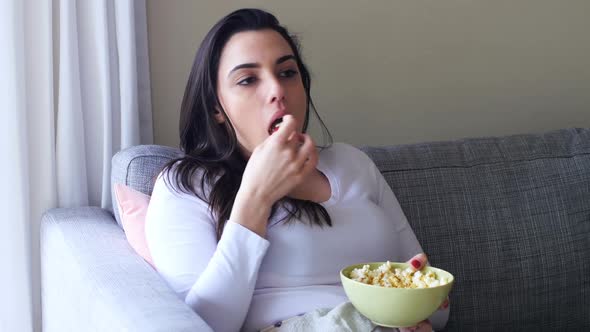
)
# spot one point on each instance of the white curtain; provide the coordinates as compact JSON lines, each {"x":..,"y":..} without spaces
{"x":75,"y":90}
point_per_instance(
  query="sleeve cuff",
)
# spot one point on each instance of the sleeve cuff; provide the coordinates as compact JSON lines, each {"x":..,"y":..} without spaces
{"x":248,"y":247}
{"x":237,"y":230}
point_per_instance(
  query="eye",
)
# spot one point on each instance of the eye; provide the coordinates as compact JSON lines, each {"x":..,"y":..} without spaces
{"x":247,"y":81}
{"x":288,"y":73}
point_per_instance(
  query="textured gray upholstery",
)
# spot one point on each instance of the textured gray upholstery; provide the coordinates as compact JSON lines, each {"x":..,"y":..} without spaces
{"x":508,"y":216}
{"x":137,"y":167}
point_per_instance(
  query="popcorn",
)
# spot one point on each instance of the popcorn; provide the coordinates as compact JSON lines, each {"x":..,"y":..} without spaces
{"x":385,"y":277}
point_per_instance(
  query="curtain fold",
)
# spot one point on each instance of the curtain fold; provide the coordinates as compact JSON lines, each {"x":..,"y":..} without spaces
{"x":57,"y":153}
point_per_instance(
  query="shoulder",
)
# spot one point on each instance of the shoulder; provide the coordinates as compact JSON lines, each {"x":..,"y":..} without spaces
{"x":343,"y":153}
{"x":350,"y":167}
{"x":182,"y":182}
{"x":171,"y":206}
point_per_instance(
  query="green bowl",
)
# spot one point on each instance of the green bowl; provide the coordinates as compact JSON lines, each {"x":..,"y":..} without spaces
{"x":395,"y":307}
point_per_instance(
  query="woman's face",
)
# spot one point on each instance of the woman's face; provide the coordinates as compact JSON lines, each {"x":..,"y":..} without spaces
{"x":258,"y":80}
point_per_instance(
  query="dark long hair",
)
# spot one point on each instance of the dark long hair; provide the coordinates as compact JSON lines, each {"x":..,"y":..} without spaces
{"x":211,"y":150}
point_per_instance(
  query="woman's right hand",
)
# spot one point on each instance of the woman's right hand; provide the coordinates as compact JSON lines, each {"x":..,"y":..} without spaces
{"x":276,"y":166}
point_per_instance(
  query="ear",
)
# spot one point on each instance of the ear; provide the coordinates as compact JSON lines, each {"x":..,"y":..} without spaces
{"x":219,"y":116}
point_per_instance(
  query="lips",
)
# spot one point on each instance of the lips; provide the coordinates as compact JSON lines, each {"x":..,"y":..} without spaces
{"x":275,"y":125}
{"x":275,"y":121}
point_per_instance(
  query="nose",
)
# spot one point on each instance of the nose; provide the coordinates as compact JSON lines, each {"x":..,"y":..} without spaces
{"x":277,"y":91}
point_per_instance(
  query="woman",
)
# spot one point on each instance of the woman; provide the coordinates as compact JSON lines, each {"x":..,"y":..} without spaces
{"x":253,"y":224}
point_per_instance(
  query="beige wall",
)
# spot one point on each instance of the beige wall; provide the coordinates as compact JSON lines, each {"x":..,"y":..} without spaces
{"x":393,"y":71}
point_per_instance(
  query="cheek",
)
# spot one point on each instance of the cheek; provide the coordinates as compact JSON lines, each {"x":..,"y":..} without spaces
{"x":236,"y":106}
{"x":300,"y":100}
{"x":243,"y":115}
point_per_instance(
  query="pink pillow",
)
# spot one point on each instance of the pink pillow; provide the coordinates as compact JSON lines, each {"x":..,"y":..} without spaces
{"x":132,"y":210}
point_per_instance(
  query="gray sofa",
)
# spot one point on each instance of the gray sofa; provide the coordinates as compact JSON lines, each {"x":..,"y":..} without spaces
{"x":508,"y":216}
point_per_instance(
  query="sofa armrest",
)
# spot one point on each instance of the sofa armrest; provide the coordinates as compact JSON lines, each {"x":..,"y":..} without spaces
{"x":92,"y":280}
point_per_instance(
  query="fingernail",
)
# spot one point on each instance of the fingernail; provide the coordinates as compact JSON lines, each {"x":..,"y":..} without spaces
{"x":415,"y":263}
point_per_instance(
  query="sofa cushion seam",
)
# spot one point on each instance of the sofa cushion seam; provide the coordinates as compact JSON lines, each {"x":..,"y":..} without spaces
{"x":481,"y":164}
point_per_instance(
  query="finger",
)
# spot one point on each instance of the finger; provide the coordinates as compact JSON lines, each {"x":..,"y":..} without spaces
{"x":418,"y":261}
{"x":408,"y":329}
{"x":424,"y":325}
{"x":286,"y":129}
{"x":305,"y":147}
{"x":291,"y":149}
{"x":308,"y":156}
{"x":296,"y":140}
{"x":421,"y":326}
{"x":445,"y":304}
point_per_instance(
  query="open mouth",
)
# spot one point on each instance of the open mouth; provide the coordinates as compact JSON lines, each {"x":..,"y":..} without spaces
{"x":274,"y":126}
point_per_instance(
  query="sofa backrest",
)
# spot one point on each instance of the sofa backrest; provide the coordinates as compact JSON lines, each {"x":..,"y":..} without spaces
{"x":509,"y":217}
{"x":138,"y":167}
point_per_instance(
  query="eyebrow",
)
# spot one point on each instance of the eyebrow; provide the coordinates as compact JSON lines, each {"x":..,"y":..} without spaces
{"x":257,"y":65}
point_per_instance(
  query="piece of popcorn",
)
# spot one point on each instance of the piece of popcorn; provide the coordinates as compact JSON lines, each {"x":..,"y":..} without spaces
{"x":385,"y":276}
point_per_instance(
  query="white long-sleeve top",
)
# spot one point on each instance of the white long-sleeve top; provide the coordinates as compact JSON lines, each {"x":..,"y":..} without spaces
{"x":248,"y":282}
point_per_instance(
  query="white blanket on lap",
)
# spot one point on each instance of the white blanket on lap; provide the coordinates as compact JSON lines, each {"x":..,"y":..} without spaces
{"x":342,"y":318}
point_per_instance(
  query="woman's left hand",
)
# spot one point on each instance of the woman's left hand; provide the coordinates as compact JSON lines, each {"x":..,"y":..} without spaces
{"x":423,"y":326}
{"x":418,"y":262}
